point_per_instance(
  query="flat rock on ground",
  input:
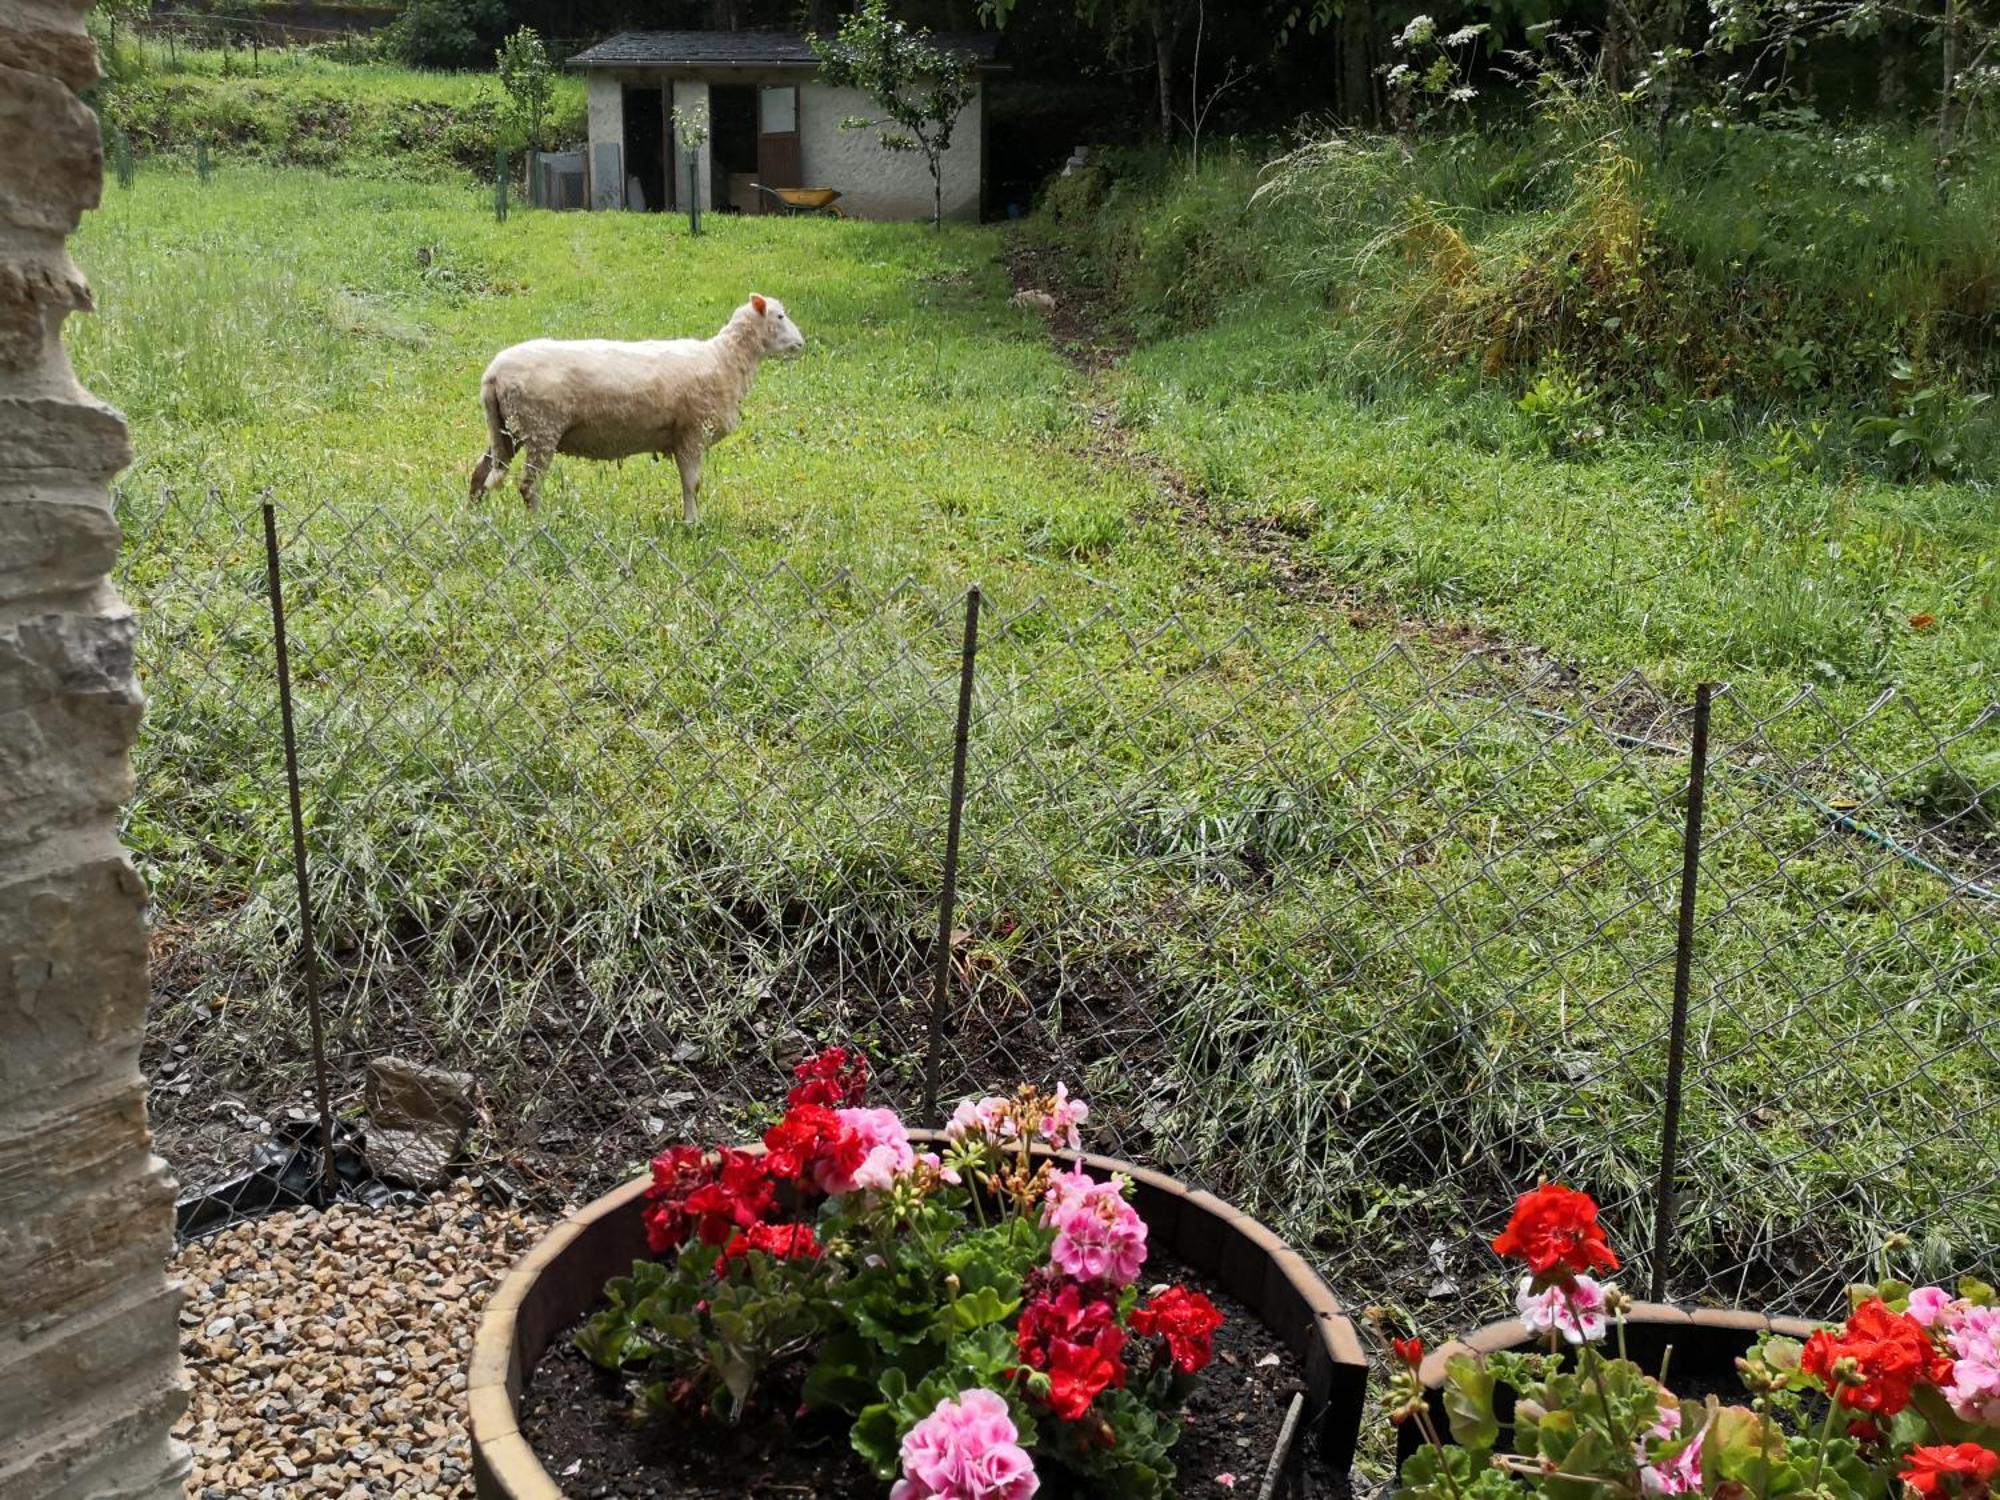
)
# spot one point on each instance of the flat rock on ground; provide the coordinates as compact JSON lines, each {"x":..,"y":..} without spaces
{"x":328,"y":1350}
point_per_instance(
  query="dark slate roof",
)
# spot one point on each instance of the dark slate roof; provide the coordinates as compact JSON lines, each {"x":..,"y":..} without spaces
{"x":739,"y":49}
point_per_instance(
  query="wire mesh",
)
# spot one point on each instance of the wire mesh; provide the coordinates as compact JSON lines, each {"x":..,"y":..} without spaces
{"x":1364,"y":937}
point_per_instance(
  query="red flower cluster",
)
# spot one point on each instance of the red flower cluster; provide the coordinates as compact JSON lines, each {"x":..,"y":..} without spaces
{"x":1962,"y":1469}
{"x":1077,"y":1344}
{"x":1892,"y":1354}
{"x":1409,"y":1351}
{"x":836,"y":1079}
{"x":807,"y":1134}
{"x":708,"y":1198}
{"x":779,"y":1241}
{"x":1555,"y":1228}
{"x":1186,"y":1320}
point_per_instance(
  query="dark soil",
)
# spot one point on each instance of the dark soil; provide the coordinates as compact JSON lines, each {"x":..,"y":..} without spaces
{"x":574,"y":1417}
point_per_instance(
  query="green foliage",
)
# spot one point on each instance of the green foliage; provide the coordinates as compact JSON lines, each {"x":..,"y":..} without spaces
{"x":920,"y":88}
{"x":1561,"y":408}
{"x":374,"y":120}
{"x":1925,"y":433}
{"x":529,"y":82}
{"x":446,"y":33}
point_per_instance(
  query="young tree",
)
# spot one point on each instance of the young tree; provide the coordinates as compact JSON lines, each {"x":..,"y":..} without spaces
{"x":523,"y":64}
{"x":920,"y":88}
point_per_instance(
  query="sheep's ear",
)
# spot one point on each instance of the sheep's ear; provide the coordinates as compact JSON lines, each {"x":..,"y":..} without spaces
{"x":758,"y":303}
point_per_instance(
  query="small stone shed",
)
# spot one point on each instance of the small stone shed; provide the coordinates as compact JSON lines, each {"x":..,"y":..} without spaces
{"x":771,"y":121}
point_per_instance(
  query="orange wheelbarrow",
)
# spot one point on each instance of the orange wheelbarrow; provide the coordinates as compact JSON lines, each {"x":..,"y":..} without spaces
{"x":806,"y":200}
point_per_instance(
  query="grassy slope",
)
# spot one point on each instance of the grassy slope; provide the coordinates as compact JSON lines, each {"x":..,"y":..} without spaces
{"x":304,"y":109}
{"x":706,"y":790}
{"x":1782,"y":274}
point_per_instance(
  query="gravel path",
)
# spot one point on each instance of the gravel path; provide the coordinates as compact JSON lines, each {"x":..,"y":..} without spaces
{"x":328,"y":1350}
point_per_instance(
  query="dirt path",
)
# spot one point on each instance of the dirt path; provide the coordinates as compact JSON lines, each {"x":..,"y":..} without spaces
{"x":1265,"y":544}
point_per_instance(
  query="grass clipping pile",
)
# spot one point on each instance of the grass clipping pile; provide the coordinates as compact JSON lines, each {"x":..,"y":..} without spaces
{"x":328,"y":1350}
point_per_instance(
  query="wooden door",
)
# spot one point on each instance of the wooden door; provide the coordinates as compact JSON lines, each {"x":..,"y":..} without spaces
{"x":778,"y":158}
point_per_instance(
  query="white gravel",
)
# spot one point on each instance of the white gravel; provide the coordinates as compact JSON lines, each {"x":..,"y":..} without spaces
{"x":328,"y":1350}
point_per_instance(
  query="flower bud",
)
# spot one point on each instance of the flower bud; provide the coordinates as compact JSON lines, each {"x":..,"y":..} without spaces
{"x":1039,"y":1385}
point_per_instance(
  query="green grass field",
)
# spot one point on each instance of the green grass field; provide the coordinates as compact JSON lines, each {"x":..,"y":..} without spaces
{"x":1359,"y":941}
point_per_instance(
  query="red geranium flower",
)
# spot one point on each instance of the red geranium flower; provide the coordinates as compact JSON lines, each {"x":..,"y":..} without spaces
{"x":739,"y":1196}
{"x":807,"y":1133}
{"x":1892,"y":1354}
{"x":1186,"y":1320}
{"x":1555,"y":1228}
{"x":1409,"y":1351}
{"x":836,"y":1079}
{"x":779,"y":1241}
{"x":1962,"y":1469}
{"x":1077,"y":1343}
{"x":677,"y":1172}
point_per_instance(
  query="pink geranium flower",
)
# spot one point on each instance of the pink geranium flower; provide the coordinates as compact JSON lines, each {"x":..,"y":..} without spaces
{"x":1974,"y":1340}
{"x":1059,"y":1125}
{"x":966,"y":1449}
{"x":1099,"y":1236}
{"x":1931,"y":1305}
{"x":1573,"y":1308}
{"x":992,"y":1117}
{"x":1681,"y":1474}
{"x":872,"y":1152}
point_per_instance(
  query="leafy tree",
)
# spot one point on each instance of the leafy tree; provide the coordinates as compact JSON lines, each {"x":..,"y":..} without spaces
{"x":1126,"y":26}
{"x":922,"y":89}
{"x":446,"y":33}
{"x":523,"y":64}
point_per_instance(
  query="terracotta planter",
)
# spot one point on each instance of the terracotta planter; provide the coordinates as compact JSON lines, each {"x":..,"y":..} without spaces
{"x":558,"y":1281}
{"x":1706,"y":1343}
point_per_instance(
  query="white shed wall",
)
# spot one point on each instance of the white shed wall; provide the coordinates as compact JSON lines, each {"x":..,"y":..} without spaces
{"x":873,"y":183}
{"x":879,"y":184}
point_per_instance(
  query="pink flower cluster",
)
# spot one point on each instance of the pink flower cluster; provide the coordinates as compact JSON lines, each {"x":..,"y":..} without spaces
{"x":1970,"y":1334}
{"x":874,"y":1151}
{"x":1055,"y":1119}
{"x":992,"y":1117}
{"x":1681,"y":1474}
{"x":1573,"y":1308}
{"x":968,"y":1449}
{"x":1099,"y":1236}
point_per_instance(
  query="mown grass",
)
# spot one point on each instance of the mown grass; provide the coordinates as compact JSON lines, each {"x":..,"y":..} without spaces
{"x":615,"y":811}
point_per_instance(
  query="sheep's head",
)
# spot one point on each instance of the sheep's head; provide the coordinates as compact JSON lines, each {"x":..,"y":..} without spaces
{"x":777,"y":333}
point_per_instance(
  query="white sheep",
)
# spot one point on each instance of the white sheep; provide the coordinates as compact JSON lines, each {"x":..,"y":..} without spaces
{"x":596,"y":398}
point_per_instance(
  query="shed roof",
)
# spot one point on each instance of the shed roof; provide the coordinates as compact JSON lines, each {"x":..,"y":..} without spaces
{"x":743,"y":49}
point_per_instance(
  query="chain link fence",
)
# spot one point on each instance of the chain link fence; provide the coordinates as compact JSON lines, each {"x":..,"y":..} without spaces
{"x":1362,"y":936}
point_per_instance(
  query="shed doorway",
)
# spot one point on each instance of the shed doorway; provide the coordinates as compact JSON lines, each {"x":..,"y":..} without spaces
{"x":732,"y":125}
{"x":645,"y":149}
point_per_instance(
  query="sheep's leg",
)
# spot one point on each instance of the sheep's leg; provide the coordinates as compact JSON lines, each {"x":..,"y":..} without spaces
{"x":689,"y":462}
{"x":479,"y":472}
{"x":533,"y":466}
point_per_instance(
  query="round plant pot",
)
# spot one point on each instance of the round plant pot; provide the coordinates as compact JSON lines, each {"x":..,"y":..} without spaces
{"x":1706,"y":1342}
{"x":563,"y":1277}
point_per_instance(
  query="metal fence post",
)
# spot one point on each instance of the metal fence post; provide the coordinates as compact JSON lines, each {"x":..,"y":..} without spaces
{"x":694,"y":200}
{"x":500,"y":184}
{"x":948,"y":898}
{"x":308,"y":953}
{"x":121,"y":158}
{"x":1670,"y":1127}
{"x":202,"y":165}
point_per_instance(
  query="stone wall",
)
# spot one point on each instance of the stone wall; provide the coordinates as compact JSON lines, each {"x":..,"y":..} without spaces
{"x":90,"y":1378}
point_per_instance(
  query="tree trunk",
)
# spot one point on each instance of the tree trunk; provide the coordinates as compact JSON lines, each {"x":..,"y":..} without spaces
{"x":1163,"y":57}
{"x":1947,"y":86}
{"x":90,"y":1369}
{"x":1357,"y":76}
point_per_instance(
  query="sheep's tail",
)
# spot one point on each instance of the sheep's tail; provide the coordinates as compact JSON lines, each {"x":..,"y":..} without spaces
{"x":491,"y":470}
